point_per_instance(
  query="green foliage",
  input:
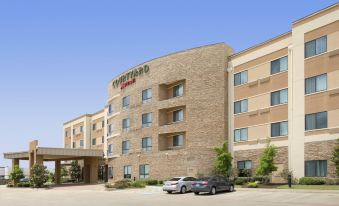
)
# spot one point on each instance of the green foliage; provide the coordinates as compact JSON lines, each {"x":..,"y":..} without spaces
{"x":152,"y":182}
{"x":139,"y":184}
{"x":39,"y":175}
{"x":75,"y":171}
{"x":64,"y":172}
{"x":24,"y":184}
{"x":16,"y":174}
{"x":160,"y":182}
{"x":311,"y":181}
{"x":266,"y":165}
{"x":51,"y":177}
{"x":123,"y":184}
{"x":335,"y":157}
{"x":223,"y":163}
{"x":240,"y":181}
{"x":252,"y":185}
{"x":245,"y":180}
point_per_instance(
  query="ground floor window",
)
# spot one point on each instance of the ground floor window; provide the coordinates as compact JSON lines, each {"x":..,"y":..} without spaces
{"x":244,"y":168}
{"x":144,"y":171}
{"x":316,"y":168}
{"x":127,"y":171}
{"x":110,"y":172}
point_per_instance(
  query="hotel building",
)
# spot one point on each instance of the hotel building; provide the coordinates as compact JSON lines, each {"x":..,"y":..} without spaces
{"x":164,"y":117}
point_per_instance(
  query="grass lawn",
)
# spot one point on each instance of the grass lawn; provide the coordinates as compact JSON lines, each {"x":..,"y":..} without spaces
{"x":311,"y":187}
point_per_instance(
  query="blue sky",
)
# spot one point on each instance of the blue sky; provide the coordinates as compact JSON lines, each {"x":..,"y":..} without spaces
{"x":57,"y":57}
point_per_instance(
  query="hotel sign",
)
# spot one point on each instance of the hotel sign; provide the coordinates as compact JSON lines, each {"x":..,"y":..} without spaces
{"x":130,"y":77}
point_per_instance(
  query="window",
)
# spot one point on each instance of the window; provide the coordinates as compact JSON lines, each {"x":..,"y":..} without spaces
{"x":109,"y":150}
{"x":240,"y":78}
{"x":146,"y":95}
{"x":316,"y":84}
{"x":178,"y":90}
{"x":316,"y":168}
{"x":110,"y":109}
{"x":240,"y":106}
{"x":125,"y":124}
{"x":279,"y":65}
{"x":127,"y":172}
{"x":81,"y":129}
{"x":94,"y":126}
{"x":279,"y":129}
{"x":110,"y":172}
{"x":316,"y":121}
{"x":102,"y":139}
{"x":178,"y":115}
{"x":66,"y":134}
{"x":146,"y":120}
{"x":125,"y":102}
{"x":74,"y":145}
{"x":241,"y":134}
{"x":73,"y":131}
{"x":279,"y":97}
{"x":146,"y":144}
{"x":81,"y":143}
{"x":178,"y":140}
{"x":103,"y":124}
{"x":144,"y":171}
{"x":94,"y":141}
{"x":125,"y":147}
{"x":247,"y":164}
{"x":110,"y":129}
{"x":316,"y":46}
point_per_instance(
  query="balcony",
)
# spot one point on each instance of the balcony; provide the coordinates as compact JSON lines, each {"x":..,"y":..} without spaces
{"x":172,"y":141}
{"x":172,"y":90}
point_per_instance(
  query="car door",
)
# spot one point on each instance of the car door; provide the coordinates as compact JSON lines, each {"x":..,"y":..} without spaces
{"x":222,"y":183}
{"x":186,"y":182}
{"x":227,"y":183}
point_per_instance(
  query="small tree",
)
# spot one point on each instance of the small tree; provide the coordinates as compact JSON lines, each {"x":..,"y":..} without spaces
{"x":335,"y":157}
{"x":64,"y":172}
{"x":223,"y":163}
{"x":39,"y":175}
{"x":16,"y":174}
{"x":51,"y":177}
{"x":75,"y":171}
{"x":266,"y":164}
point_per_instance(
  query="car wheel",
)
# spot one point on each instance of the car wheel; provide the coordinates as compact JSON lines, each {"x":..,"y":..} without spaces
{"x":169,"y":192}
{"x":213,"y":191}
{"x":231,"y":188}
{"x":183,"y":190}
{"x":196,"y":193}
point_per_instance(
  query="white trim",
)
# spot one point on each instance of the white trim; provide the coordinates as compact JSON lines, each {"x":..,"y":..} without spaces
{"x":283,"y":143}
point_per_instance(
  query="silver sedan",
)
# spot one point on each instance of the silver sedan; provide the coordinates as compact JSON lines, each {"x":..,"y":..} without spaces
{"x":178,"y":184}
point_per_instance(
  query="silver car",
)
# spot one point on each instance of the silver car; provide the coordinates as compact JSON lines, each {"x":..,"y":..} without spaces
{"x":178,"y":184}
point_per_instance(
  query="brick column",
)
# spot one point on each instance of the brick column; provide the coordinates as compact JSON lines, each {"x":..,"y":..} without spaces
{"x":91,"y":170}
{"x":57,"y":172}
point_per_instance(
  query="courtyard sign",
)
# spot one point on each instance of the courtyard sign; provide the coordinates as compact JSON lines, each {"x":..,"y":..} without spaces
{"x":129,"y":78}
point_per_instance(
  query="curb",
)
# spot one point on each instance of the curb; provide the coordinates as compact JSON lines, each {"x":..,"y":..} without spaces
{"x":287,"y":190}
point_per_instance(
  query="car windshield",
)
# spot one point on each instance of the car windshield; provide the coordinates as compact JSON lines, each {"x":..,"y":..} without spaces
{"x":203,"y":179}
{"x":175,"y":179}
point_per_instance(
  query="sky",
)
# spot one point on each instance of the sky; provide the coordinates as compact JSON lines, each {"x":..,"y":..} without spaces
{"x":57,"y":56}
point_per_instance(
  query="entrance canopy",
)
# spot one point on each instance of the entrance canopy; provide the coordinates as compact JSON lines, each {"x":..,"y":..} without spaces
{"x":37,"y":155}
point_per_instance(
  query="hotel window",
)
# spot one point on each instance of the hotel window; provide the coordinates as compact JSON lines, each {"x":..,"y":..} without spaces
{"x":110,"y":172}
{"x":102,"y":124}
{"x":316,"y":84}
{"x":127,"y":172}
{"x":125,"y":124}
{"x":81,"y":143}
{"x":94,"y":141}
{"x":146,"y":120}
{"x":110,"y":129}
{"x":102,"y":139}
{"x":241,"y":134}
{"x":243,"y":166}
{"x":94,"y":126}
{"x":146,"y":144}
{"x":110,"y":150}
{"x":110,"y":109}
{"x":316,"y":168}
{"x":81,"y":129}
{"x":66,"y":134}
{"x":316,"y":121}
{"x":240,"y":78}
{"x":240,"y":106}
{"x":279,"y":129}
{"x":316,"y":46}
{"x":74,"y":145}
{"x":279,"y":97}
{"x":178,"y":90}
{"x":125,"y":102}
{"x":146,"y":95}
{"x":125,"y":147}
{"x":144,"y":171}
{"x":73,"y":131}
{"x":279,"y":65}
{"x":178,"y":140}
{"x":178,"y":115}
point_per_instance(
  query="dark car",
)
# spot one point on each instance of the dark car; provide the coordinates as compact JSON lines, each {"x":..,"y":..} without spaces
{"x":212,"y":185}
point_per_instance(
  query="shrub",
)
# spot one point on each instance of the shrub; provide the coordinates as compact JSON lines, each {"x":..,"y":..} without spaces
{"x":75,"y":171}
{"x":23,"y":184}
{"x":122,"y":184}
{"x":139,"y":184}
{"x":152,"y":182}
{"x":241,"y":180}
{"x":311,"y":181}
{"x":161,"y":182}
{"x":16,"y":174}
{"x":266,"y":163}
{"x":10,"y":185}
{"x":261,"y":179}
{"x":252,"y":185}
{"x":223,"y":162}
{"x":39,"y":175}
{"x":109,"y":185}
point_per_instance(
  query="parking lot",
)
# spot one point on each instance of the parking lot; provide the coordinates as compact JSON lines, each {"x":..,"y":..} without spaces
{"x":151,"y":196}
